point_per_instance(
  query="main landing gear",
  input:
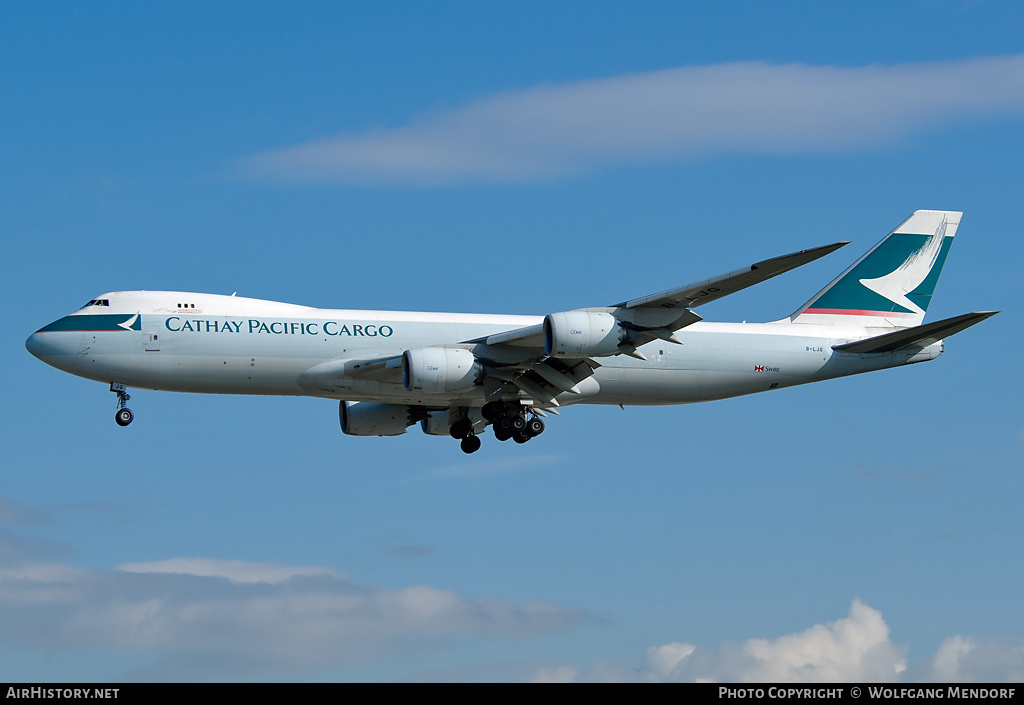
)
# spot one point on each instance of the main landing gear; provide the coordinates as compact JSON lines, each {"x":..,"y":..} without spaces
{"x":123,"y":416}
{"x":510,"y":421}
{"x":463,"y":428}
{"x":470,"y":444}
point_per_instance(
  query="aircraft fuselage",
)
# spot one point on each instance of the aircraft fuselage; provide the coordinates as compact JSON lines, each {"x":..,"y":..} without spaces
{"x":458,"y":374}
{"x":185,"y":342}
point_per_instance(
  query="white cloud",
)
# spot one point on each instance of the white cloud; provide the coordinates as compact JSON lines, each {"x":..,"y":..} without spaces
{"x":234,"y":617}
{"x":207,"y":618}
{"x":856,"y":648}
{"x":946,"y":664}
{"x":964,"y":660}
{"x":663,"y":660}
{"x":550,"y":131}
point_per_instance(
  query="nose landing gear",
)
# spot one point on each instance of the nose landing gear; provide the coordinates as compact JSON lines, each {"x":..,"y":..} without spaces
{"x":123,"y":416}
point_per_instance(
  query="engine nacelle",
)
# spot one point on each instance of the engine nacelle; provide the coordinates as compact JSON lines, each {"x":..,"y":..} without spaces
{"x":437,"y":370}
{"x":373,"y":419}
{"x":436,"y":423}
{"x":576,"y":334}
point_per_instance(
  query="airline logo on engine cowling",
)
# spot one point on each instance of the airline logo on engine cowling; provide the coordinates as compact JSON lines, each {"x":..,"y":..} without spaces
{"x":256,"y":326}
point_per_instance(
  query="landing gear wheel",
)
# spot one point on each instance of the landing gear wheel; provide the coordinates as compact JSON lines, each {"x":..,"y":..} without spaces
{"x":493,"y":410}
{"x":470,"y":444}
{"x":123,"y":417}
{"x":518,"y":422}
{"x":502,"y":435}
{"x":534,"y":427}
{"x":461,"y":428}
{"x":521,"y":436}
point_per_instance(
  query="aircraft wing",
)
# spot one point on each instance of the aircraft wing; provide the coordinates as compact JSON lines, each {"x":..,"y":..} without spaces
{"x":327,"y":376}
{"x":519,"y":356}
{"x":382,"y":369}
{"x":659,"y":315}
{"x":528,"y":337}
{"x":541,"y":379}
{"x":708,"y":290}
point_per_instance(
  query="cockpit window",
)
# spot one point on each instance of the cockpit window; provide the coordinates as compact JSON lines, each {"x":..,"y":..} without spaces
{"x":97,"y":302}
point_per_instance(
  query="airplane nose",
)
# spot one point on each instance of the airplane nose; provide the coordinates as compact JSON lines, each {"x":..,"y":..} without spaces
{"x":34,"y":345}
{"x":57,"y":349}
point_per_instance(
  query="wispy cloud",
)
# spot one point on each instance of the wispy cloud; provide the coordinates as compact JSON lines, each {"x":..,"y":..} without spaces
{"x":12,"y":513}
{"x":485,"y":467}
{"x":15,"y":548}
{"x":213,"y":618}
{"x":410,"y":551}
{"x":554,"y":130}
{"x":491,"y":466}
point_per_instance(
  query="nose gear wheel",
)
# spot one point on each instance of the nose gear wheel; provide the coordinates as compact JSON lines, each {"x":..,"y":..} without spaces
{"x":123,"y":416}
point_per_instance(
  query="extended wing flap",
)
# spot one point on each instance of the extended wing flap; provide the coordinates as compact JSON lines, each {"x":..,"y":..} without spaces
{"x":916,"y":337}
{"x":546,"y":379}
{"x":708,"y":290}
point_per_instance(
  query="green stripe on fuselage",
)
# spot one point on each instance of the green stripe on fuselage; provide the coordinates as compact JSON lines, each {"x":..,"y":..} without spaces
{"x":92,"y":323}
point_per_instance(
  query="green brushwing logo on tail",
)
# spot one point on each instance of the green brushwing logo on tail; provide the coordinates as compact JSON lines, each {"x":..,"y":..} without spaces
{"x":897,"y":277}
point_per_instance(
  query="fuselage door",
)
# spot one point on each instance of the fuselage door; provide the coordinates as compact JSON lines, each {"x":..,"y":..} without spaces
{"x":152,"y":339}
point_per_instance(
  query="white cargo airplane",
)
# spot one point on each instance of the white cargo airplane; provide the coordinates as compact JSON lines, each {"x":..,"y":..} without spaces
{"x":458,"y":373}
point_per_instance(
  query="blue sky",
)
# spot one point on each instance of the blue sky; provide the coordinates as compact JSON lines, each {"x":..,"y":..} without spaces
{"x":512,"y":158}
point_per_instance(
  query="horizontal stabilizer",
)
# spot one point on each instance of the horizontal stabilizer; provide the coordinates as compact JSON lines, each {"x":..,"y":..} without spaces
{"x":916,"y":337}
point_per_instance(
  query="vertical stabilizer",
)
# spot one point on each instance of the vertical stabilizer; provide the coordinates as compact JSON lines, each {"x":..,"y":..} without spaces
{"x":891,"y":286}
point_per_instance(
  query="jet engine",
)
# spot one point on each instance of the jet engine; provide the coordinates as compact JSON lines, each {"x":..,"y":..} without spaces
{"x":436,"y":424}
{"x":575,"y":334}
{"x":373,"y":419}
{"x":436,"y":370}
